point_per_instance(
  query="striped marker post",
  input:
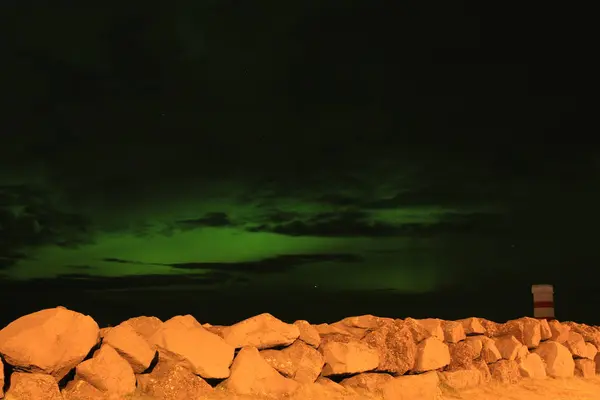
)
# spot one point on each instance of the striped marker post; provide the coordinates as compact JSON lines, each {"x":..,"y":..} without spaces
{"x":543,"y":301}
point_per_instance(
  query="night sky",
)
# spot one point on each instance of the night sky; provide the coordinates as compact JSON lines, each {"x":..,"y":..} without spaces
{"x":312,"y":159}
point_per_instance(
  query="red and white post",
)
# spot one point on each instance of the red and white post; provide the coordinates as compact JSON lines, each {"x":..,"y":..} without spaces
{"x":543,"y":301}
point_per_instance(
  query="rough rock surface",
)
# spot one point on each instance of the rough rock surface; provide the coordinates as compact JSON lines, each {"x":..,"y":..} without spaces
{"x":169,"y":380}
{"x":25,"y":386}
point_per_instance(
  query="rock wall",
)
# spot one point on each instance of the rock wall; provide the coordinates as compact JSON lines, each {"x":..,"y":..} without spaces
{"x":61,"y":354}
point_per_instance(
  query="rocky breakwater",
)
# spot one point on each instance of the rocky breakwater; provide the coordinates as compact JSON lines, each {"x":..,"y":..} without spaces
{"x":59,"y":354}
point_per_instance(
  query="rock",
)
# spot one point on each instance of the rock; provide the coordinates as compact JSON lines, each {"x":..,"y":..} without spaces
{"x":367,"y":383}
{"x":144,"y":326}
{"x":365,"y":321}
{"x":431,"y":355}
{"x":418,"y":330}
{"x":454,"y":331}
{"x":216,"y":329}
{"x":52,"y":341}
{"x":353,"y":331}
{"x":131,"y":346}
{"x":560,"y":332}
{"x":323,"y":388}
{"x":461,"y":379}
{"x":395,"y":347}
{"x":472,"y":326}
{"x":252,"y":375}
{"x":308,"y":333}
{"x":171,"y":381}
{"x":532,"y":366}
{"x":559,"y":361}
{"x":108,"y":372}
{"x":589,"y":333}
{"x":299,"y":361}
{"x":348,"y":357}
{"x":30,"y":386}
{"x":1,"y":378}
{"x":462,"y":355}
{"x":326,"y":329}
{"x":489,"y":352}
{"x":491,"y":327}
{"x":482,"y":366}
{"x":585,"y":368}
{"x":79,"y":389}
{"x":597,"y":361}
{"x":433,"y":327}
{"x":508,"y":346}
{"x":262,"y":331}
{"x":590,"y":351}
{"x":576,"y":345}
{"x":183,"y":339}
{"x":476,"y":343}
{"x":104,"y":331}
{"x":413,"y":387}
{"x":526,"y":330}
{"x":522,"y":352}
{"x":545,"y":332}
{"x":505,"y":371}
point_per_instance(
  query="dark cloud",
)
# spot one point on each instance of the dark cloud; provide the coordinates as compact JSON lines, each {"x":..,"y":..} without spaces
{"x":361,"y":224}
{"x":214,"y":219}
{"x":82,"y":281}
{"x":29,"y":218}
{"x":274,"y":264}
{"x":133,"y":262}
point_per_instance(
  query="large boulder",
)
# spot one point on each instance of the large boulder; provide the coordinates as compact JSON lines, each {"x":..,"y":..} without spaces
{"x":131,"y":346}
{"x":144,"y":326}
{"x":299,"y":361}
{"x":506,"y":371}
{"x":559,"y":361}
{"x":108,"y":372}
{"x":532,"y":366}
{"x":170,"y":380}
{"x":346,"y":355}
{"x":252,"y":375}
{"x":183,"y":339}
{"x":51,"y":341}
{"x":526,"y":330}
{"x":432,"y":354}
{"x":263,"y":331}
{"x":395,"y":345}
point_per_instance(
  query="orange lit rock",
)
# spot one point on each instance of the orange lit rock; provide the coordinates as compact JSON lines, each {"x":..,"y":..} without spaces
{"x":33,"y":386}
{"x":51,"y":341}
{"x":262,"y":331}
